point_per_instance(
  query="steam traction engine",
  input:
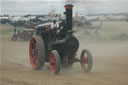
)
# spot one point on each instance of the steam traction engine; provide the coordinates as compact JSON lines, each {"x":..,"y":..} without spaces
{"x":57,"y":48}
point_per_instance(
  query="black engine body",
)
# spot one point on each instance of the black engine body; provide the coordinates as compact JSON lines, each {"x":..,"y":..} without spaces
{"x":64,"y":42}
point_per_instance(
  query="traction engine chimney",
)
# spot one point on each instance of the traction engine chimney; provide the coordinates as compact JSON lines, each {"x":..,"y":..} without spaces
{"x":68,"y":9}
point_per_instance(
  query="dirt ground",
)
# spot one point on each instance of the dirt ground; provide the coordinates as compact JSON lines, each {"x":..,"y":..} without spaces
{"x":110,"y":63}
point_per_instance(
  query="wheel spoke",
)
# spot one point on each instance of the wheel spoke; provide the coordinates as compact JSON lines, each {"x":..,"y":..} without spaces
{"x":33,"y":43}
{"x":33,"y":51}
{"x":86,"y":60}
{"x":36,"y":48}
{"x":33,"y":59}
{"x":52,"y":62}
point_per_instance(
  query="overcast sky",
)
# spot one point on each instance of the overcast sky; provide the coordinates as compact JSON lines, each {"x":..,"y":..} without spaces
{"x":22,"y":7}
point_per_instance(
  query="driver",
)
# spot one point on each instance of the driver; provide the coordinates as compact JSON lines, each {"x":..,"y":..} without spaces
{"x":54,"y":26}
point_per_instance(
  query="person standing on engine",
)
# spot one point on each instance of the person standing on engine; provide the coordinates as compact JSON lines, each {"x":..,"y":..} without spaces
{"x":54,"y":26}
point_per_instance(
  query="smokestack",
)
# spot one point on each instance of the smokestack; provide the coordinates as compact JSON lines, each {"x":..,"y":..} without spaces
{"x":68,"y":9}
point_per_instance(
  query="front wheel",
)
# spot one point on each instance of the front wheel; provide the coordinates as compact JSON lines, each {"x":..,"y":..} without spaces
{"x":54,"y":62}
{"x":86,"y":60}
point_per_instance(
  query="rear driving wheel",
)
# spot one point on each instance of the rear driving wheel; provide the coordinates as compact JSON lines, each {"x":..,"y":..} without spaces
{"x":37,"y":52}
{"x":86,"y":60}
{"x":54,"y":62}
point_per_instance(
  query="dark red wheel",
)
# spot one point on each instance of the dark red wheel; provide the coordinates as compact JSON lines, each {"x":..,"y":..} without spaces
{"x":36,"y":52}
{"x":14,"y":38}
{"x":54,"y":62}
{"x":86,"y":60}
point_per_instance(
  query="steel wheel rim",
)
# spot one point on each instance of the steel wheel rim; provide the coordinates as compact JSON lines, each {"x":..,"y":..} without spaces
{"x":33,"y":52}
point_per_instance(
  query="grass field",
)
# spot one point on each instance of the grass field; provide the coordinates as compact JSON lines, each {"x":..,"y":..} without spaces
{"x":7,"y":28}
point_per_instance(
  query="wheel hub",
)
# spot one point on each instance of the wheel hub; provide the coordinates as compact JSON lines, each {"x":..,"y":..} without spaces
{"x":33,"y":52}
{"x":51,"y":62}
